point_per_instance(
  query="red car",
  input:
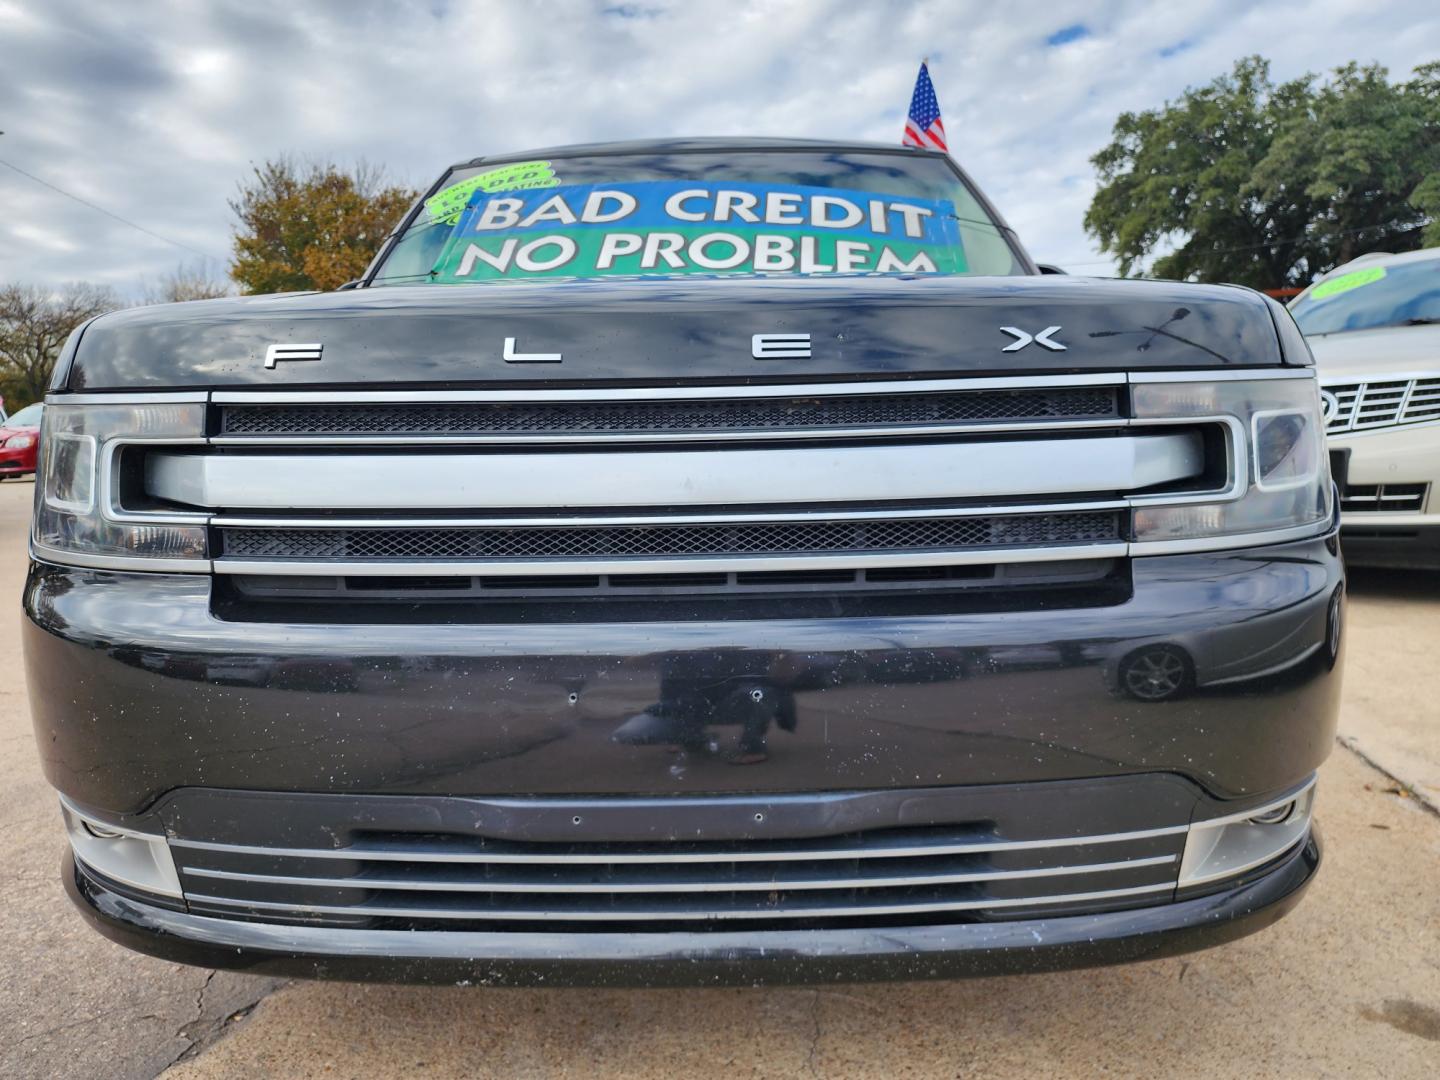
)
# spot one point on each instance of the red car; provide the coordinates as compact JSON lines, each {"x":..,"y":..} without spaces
{"x":19,"y":437}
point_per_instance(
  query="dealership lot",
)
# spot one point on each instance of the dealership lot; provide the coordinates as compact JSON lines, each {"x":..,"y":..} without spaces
{"x":1348,"y":984}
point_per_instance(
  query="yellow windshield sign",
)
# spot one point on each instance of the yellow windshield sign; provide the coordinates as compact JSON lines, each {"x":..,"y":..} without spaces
{"x":448,"y":205}
{"x":1346,"y":282}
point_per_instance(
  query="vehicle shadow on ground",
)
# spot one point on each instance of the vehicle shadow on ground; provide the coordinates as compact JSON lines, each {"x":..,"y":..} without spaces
{"x":1422,"y":586}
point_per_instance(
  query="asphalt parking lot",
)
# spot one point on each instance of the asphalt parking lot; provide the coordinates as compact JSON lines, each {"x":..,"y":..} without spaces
{"x":1347,"y":985}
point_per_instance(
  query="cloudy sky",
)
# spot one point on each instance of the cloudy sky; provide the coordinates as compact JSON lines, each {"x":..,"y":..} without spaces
{"x":155,"y":110}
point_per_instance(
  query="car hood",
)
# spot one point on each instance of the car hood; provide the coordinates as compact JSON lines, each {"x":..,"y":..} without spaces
{"x":658,"y":329}
{"x":1384,"y":351}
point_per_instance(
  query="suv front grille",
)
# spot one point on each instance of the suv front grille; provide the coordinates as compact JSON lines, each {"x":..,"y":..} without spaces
{"x":601,"y":484}
{"x":480,"y":419}
{"x":667,"y":541}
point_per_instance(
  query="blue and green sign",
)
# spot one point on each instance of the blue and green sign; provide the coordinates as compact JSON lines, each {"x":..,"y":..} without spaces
{"x":685,"y":227}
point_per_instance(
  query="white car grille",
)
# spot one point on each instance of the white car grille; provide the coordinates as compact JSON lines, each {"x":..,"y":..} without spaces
{"x":1362,"y":406}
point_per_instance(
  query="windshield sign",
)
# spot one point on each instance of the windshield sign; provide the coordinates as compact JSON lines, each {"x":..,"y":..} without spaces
{"x":682,"y":227}
{"x":745,"y":211}
{"x":1404,"y":294}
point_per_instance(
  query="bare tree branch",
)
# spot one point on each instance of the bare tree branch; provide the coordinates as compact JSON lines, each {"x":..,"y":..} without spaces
{"x":34,"y":323}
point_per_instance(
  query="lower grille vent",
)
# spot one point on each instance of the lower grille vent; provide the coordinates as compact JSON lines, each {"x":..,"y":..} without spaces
{"x":958,"y":872}
{"x":660,"y":541}
{"x":1393,"y":498}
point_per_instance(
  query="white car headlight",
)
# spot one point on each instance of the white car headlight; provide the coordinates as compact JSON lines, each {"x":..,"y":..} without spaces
{"x":19,"y":442}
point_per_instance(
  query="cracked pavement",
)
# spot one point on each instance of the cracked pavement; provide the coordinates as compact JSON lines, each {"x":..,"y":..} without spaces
{"x":1347,"y":985}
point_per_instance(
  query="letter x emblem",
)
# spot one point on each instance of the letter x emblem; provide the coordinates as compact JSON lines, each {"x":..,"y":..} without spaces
{"x":1022,"y":339}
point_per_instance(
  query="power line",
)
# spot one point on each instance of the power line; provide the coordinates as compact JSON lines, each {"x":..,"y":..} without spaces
{"x":111,"y":213}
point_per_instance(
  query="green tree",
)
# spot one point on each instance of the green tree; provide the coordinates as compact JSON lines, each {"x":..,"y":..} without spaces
{"x":34,"y":323}
{"x":1266,"y":184}
{"x":311,"y":227}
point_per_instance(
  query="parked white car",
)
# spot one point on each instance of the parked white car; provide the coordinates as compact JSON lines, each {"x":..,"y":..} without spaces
{"x":1374,"y":326}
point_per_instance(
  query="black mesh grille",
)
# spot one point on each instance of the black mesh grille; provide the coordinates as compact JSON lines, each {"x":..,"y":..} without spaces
{"x":652,"y":541}
{"x":659,"y":417}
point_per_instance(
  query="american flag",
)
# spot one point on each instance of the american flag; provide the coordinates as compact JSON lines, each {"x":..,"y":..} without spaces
{"x":924,"y":127}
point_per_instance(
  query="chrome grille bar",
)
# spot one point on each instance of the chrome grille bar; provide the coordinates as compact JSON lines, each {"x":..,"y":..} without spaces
{"x":768,"y":884}
{"x":1379,"y":403}
{"x":876,"y":850}
{"x":676,"y":478}
{"x":1390,"y":498}
{"x":524,"y":866}
{"x":655,"y":912}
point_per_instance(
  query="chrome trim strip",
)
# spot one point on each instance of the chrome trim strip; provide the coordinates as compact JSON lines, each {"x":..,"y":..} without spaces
{"x":1344,"y":435}
{"x":99,"y":397}
{"x":807,"y":884}
{"x":784,"y":476}
{"x":688,"y":915}
{"x":680,"y":393}
{"x":44,"y":553}
{"x":109,"y":470}
{"x":1219,"y":375}
{"x":1235,"y":870}
{"x":697,"y":564}
{"x":1328,"y":381}
{"x":660,"y":393}
{"x":67,"y":803}
{"x":1226,"y":541}
{"x":1254,"y":811}
{"x":737,"y":517}
{"x":800,"y":854}
{"x":735,"y":435}
{"x":1238,"y":446}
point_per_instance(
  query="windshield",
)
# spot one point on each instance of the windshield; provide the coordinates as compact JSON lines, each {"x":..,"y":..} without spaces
{"x":26,"y":417}
{"x":1403,"y":295}
{"x":746,"y":212}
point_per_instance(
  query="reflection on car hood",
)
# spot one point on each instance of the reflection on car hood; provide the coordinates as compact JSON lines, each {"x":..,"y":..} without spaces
{"x":658,"y":329}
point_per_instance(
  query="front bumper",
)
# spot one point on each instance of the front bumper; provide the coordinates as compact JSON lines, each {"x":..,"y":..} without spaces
{"x":139,"y":688}
{"x":154,"y":712}
{"x":1386,"y":460}
{"x":701,"y":958}
{"x":17,"y":462}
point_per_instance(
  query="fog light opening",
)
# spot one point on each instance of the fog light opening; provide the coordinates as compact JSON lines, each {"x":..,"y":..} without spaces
{"x":1278,"y":816}
{"x":1229,"y":846}
{"x":140,"y":860}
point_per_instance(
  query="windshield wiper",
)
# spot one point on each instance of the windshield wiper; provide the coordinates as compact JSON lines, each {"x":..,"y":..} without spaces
{"x":1420,"y":321}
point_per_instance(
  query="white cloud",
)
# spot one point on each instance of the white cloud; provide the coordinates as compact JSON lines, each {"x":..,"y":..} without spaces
{"x":156,"y":111}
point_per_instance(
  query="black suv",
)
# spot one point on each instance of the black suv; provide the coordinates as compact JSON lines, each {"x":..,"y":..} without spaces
{"x":695,"y":561}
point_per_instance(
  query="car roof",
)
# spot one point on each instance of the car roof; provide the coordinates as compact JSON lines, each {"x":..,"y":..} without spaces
{"x":1382,"y":258}
{"x":693,"y":145}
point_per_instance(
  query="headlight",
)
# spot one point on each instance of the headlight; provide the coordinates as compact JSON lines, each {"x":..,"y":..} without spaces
{"x":1280,"y":476}
{"x":19,"y":442}
{"x":81,"y":516}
